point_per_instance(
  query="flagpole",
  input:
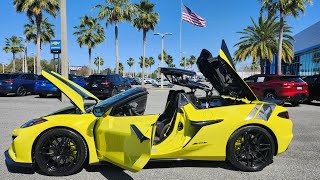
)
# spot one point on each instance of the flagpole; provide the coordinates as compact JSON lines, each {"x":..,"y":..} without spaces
{"x":180,"y":30}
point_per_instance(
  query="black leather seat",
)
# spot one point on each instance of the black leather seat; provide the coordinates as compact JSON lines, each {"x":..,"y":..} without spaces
{"x":169,"y":113}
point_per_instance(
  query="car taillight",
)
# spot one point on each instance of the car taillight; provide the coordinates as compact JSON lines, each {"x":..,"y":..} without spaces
{"x":287,"y":84}
{"x":105,"y":83}
{"x":284,"y":114}
{"x":9,"y":81}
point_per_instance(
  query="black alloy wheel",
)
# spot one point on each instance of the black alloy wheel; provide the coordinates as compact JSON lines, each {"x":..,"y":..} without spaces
{"x":60,"y":152}
{"x":22,"y":91}
{"x":114,"y":92}
{"x":270,"y":95}
{"x":295,"y":103}
{"x":250,"y":148}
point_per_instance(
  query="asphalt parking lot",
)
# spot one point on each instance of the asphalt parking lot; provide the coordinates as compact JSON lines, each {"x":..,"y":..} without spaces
{"x":300,"y":161}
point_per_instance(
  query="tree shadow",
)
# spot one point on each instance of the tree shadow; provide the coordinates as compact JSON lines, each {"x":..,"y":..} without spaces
{"x":109,"y":171}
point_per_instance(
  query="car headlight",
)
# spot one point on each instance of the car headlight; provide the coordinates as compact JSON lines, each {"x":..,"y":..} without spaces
{"x":33,"y":122}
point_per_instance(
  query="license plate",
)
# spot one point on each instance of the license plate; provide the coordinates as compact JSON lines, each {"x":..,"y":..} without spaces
{"x":299,"y":88}
{"x":94,"y":85}
{"x":43,"y":84}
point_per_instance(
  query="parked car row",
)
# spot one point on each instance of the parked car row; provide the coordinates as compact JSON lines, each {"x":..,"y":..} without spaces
{"x":103,"y":86}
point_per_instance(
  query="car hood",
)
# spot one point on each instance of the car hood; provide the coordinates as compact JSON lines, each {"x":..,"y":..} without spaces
{"x":73,"y":91}
{"x":221,"y":73}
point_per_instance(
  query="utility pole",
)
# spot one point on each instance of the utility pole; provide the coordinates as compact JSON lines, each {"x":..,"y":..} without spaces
{"x":64,"y":43}
{"x":162,"y":49}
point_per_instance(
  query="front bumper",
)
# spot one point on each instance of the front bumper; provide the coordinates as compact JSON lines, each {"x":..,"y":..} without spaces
{"x":12,"y":163}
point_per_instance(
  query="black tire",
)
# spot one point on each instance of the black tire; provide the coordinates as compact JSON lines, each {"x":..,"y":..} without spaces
{"x":270,"y":95}
{"x":114,"y":92}
{"x":250,"y":148}
{"x":21,"y":91}
{"x":43,"y":95}
{"x":170,"y":85}
{"x":295,"y":103}
{"x":60,"y":152}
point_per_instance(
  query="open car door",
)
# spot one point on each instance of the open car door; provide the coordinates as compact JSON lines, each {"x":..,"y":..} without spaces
{"x":125,"y":141}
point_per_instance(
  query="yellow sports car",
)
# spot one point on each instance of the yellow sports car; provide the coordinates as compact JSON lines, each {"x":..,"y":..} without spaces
{"x":233,"y":126}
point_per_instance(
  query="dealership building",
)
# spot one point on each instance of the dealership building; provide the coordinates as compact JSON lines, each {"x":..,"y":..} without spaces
{"x":306,"y":54}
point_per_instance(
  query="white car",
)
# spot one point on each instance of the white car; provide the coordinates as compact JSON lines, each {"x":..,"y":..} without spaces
{"x":165,"y":83}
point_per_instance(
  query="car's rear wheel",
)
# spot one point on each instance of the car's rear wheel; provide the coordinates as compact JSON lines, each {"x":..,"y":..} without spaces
{"x":250,"y":148}
{"x":270,"y":95}
{"x":170,"y":85}
{"x":21,"y":91}
{"x":295,"y":103}
{"x":60,"y":152}
{"x":114,"y":92}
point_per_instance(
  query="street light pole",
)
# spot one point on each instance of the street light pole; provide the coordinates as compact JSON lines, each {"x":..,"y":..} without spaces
{"x":24,"y":59}
{"x":64,"y":50}
{"x":162,"y":49}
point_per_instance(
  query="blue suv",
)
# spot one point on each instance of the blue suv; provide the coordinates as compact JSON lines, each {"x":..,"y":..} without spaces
{"x":18,"y":83}
{"x":43,"y":87}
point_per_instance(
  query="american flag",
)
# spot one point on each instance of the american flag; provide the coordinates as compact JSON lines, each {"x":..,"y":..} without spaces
{"x":192,"y":17}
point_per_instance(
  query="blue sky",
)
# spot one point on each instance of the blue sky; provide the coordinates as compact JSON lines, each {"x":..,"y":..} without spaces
{"x":224,"y":19}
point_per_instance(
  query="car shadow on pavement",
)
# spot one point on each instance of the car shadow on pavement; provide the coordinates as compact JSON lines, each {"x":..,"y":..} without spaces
{"x":109,"y":171}
{"x":189,"y":163}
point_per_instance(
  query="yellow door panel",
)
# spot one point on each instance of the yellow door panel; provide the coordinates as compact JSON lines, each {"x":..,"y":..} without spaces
{"x":125,"y":141}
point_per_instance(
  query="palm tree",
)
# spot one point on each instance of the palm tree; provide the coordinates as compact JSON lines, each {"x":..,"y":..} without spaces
{"x":151,"y":63}
{"x":184,"y":62}
{"x":36,"y":8}
{"x":98,"y":61}
{"x":116,"y":11}
{"x":13,"y":45}
{"x":90,"y":33}
{"x":169,"y":60}
{"x":260,"y":42}
{"x":130,"y":63}
{"x":121,"y":68}
{"x":192,"y":60}
{"x":172,"y":65}
{"x":146,"y":62}
{"x":165,"y":56}
{"x":146,"y":20}
{"x":46,"y":31}
{"x":285,"y":8}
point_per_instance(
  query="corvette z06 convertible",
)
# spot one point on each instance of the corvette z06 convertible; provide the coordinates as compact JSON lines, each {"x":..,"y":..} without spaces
{"x":233,"y":126}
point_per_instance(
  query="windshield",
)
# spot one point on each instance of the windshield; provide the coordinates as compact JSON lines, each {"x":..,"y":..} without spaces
{"x":103,"y":106}
{"x":291,"y":79}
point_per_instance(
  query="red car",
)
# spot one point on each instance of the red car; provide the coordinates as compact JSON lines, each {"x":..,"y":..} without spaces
{"x":285,"y":87}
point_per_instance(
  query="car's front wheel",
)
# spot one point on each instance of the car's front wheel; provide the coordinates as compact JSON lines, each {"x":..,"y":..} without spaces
{"x":250,"y":148}
{"x":60,"y":152}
